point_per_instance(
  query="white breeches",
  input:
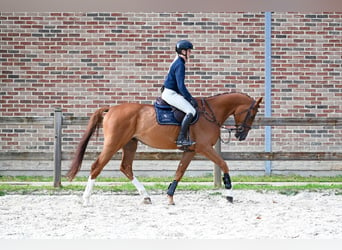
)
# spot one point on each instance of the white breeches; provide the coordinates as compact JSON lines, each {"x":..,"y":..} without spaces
{"x":178,"y":101}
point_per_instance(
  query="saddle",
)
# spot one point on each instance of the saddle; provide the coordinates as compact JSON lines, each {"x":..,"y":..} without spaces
{"x":169,"y":115}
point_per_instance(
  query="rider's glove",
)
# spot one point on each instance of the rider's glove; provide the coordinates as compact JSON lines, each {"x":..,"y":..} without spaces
{"x":194,"y":102}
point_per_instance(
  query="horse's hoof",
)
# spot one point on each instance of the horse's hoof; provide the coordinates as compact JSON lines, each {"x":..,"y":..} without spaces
{"x":171,"y":202}
{"x":86,"y":203}
{"x":229,"y":198}
{"x":147,"y":201}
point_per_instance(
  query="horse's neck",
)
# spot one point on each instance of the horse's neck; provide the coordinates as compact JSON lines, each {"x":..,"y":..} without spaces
{"x":225,"y":105}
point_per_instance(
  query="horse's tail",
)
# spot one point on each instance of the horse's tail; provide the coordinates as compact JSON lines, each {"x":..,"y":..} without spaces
{"x":94,"y":124}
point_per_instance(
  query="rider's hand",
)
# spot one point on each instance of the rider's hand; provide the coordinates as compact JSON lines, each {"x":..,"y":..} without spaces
{"x":194,"y":103}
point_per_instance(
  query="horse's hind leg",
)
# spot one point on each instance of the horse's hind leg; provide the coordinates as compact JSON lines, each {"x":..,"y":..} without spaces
{"x":128,"y":153}
{"x":96,"y":169}
{"x":182,"y":166}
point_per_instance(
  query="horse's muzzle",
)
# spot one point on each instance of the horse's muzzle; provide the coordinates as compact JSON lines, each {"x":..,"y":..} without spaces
{"x":241,"y":133}
{"x":241,"y":136}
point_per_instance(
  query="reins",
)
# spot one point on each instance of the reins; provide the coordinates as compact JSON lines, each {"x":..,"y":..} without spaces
{"x":212,"y":118}
{"x":208,"y":116}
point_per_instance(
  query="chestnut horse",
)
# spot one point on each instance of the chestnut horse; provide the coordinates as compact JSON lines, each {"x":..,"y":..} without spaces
{"x":126,"y":124}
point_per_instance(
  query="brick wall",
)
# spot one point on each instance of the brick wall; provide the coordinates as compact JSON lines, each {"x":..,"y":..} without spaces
{"x":81,"y":61}
{"x":307,"y":59}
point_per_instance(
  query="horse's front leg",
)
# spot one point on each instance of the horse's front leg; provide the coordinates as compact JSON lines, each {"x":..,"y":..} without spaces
{"x":228,"y":185}
{"x":128,"y":153}
{"x":212,"y":155}
{"x":182,"y":166}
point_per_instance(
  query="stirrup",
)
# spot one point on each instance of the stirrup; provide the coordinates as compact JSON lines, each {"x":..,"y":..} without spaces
{"x":184,"y":142}
{"x":186,"y":149}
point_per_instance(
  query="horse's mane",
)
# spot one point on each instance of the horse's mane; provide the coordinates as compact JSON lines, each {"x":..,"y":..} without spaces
{"x":227,"y":93}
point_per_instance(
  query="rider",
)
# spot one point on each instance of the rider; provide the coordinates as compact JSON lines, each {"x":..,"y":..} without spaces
{"x":175,"y":92}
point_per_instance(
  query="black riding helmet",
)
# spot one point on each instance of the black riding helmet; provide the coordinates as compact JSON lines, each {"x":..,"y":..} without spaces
{"x":183,"y":44}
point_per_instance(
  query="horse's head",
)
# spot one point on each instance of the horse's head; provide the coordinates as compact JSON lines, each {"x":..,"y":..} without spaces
{"x":244,"y":118}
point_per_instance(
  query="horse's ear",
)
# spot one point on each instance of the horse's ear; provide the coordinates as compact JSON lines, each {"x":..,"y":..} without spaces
{"x":258,"y":102}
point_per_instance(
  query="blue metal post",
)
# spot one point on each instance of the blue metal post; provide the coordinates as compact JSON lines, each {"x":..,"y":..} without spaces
{"x":268,"y":87}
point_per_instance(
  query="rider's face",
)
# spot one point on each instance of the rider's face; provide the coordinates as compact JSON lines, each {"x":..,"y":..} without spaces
{"x":188,"y":53}
{"x":185,"y":54}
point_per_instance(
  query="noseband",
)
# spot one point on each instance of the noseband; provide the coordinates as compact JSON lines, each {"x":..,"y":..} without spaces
{"x":241,"y":127}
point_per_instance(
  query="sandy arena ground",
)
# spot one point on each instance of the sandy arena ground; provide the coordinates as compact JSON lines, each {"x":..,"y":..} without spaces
{"x":196,"y":215}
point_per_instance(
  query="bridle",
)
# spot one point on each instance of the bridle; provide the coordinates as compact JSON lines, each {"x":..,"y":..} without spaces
{"x":239,"y":128}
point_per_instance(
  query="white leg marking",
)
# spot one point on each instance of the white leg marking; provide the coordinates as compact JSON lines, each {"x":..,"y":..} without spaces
{"x":87,"y":191}
{"x":229,"y":195}
{"x":140,"y":187}
{"x":229,"y":192}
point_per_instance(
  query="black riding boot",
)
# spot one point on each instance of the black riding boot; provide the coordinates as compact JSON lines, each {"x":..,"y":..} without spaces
{"x":182,"y":140}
